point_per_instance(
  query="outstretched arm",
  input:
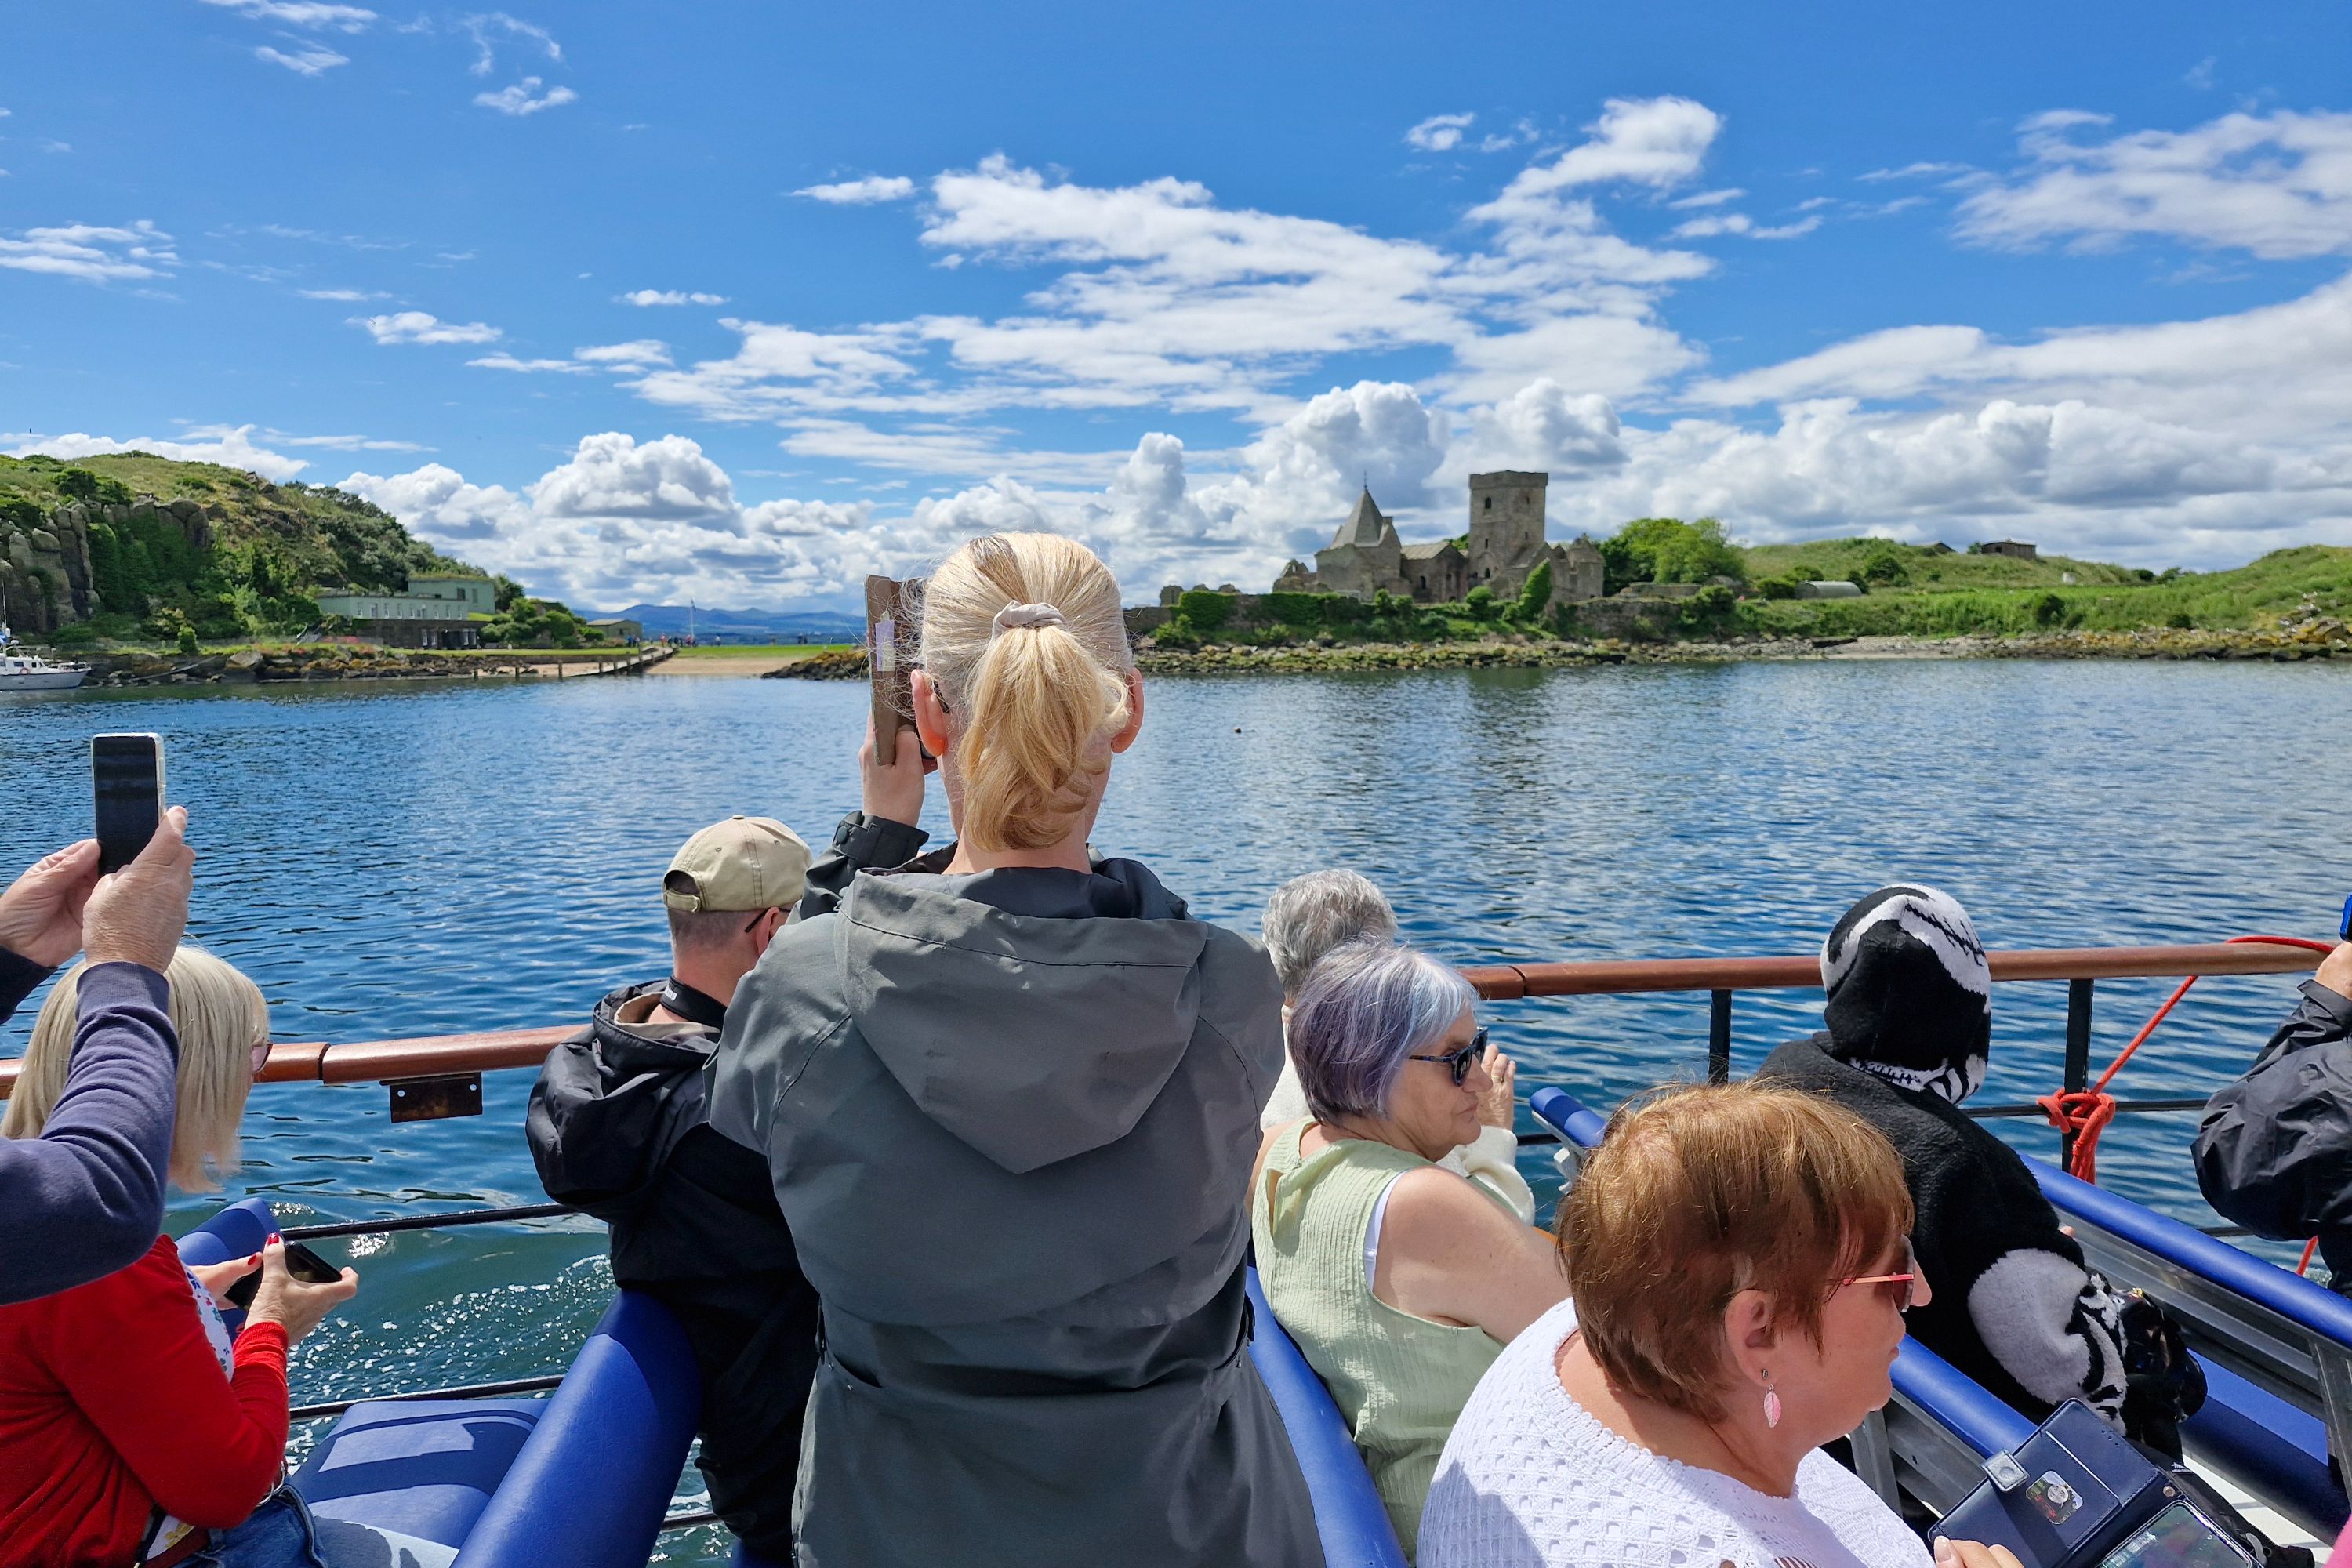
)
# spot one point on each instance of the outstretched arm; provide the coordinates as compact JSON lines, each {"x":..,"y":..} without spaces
{"x":86,"y":1197}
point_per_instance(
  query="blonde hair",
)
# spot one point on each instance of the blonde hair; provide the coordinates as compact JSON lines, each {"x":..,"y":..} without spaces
{"x":1038,"y":701}
{"x":1699,"y":1194}
{"x":220,"y":1016}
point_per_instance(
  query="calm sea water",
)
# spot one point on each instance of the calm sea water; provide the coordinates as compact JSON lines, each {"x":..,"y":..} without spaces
{"x":405,"y":861}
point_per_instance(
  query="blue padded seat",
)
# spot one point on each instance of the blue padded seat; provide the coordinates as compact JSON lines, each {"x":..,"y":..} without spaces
{"x":416,"y":1473}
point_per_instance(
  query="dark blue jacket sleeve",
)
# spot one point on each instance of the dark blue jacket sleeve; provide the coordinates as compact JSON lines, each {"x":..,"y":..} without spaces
{"x":2274,"y":1150}
{"x":86,"y":1197}
{"x":19,"y":977}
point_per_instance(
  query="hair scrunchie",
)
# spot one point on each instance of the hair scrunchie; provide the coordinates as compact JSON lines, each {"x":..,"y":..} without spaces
{"x":1015,"y":616}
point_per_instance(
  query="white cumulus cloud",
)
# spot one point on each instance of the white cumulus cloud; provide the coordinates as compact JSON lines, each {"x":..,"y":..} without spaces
{"x":2277,"y":186}
{"x":670,"y":297}
{"x":1439,"y":132}
{"x":310,"y":60}
{"x":90,"y":252}
{"x":525,"y":97}
{"x":311,"y":13}
{"x":420,"y":327}
{"x":861,"y":193}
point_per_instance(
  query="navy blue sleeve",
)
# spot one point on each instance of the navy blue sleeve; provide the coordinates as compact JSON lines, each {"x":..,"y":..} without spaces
{"x":19,"y":977}
{"x":86,"y":1197}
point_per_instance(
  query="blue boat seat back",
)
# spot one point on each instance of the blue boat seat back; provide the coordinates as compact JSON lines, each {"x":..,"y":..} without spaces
{"x":414,"y":1473}
{"x":1349,"y":1513}
{"x":595,"y":1477}
{"x":235,"y":1231}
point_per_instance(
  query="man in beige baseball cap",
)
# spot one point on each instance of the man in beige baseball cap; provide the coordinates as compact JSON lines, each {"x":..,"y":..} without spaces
{"x":728,"y":890}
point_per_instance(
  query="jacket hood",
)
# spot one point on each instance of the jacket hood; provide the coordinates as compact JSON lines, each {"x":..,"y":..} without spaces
{"x":1032,"y":1013}
{"x":611,"y":1101}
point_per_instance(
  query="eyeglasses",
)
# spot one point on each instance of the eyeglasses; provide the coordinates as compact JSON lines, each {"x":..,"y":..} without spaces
{"x":260,"y":1055}
{"x":1459,"y":1061}
{"x":1902,"y":1290}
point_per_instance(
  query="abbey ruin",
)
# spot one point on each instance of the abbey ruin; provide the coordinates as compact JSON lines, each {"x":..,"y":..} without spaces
{"x":1504,"y":545}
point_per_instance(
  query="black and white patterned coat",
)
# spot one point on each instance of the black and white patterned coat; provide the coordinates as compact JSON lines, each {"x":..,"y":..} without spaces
{"x":1910,"y":1029}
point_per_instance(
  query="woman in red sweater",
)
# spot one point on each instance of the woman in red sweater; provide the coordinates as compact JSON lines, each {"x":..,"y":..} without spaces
{"x":132,"y":1431}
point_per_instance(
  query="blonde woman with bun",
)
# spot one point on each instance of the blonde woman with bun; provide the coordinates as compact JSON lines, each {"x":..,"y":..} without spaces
{"x":1008,"y":1093}
{"x":132,"y":1428}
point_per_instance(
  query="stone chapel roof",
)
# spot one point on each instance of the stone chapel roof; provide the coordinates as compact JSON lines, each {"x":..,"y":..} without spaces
{"x":1364,"y":525}
{"x":1429,"y":550}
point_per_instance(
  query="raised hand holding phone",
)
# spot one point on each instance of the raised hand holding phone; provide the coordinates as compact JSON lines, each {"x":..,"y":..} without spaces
{"x":126,"y":779}
{"x":137,"y":914}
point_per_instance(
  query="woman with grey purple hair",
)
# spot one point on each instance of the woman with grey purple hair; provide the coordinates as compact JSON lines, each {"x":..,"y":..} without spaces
{"x":1322,"y":912}
{"x":1400,"y":1281}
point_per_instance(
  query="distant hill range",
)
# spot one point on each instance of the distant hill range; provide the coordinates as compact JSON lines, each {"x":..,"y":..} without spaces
{"x":739,"y":626}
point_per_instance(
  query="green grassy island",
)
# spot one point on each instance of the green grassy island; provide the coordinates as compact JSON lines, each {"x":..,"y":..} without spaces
{"x":1677,"y":590}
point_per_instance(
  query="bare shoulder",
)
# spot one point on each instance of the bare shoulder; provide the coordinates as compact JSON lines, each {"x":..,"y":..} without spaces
{"x":1433,"y":1212}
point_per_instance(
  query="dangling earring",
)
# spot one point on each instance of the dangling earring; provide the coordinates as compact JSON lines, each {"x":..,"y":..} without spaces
{"x":1771,"y":1403}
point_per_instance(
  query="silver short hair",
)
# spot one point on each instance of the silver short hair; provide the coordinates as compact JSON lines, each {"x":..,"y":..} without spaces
{"x":1310,"y":915}
{"x":1363,"y":1011}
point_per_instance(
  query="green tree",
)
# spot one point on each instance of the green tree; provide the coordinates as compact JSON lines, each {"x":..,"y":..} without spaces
{"x":1668,"y":550}
{"x":1883,"y":563}
{"x":1480,"y":602}
{"x":1536,"y":595}
{"x":1707,"y":609}
{"x":506,"y":593}
{"x":188,"y":640}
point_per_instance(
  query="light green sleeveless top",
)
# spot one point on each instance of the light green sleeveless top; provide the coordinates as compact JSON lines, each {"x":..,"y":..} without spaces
{"x":1399,"y":1381}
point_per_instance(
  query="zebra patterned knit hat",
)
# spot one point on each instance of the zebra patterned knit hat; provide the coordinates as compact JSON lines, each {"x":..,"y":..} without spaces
{"x":1910,"y":993}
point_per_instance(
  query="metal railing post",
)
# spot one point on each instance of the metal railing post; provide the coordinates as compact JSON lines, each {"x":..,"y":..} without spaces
{"x":2077,"y":1070}
{"x":1719,"y":1037}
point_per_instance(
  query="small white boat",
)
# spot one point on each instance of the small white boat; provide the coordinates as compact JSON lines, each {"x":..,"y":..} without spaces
{"x":22,"y":670}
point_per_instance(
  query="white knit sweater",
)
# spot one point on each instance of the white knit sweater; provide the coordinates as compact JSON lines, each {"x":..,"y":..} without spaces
{"x":1529,"y":1479}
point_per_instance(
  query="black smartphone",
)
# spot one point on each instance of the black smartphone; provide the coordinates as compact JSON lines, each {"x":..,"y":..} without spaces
{"x":301,"y":1262}
{"x":126,"y":778}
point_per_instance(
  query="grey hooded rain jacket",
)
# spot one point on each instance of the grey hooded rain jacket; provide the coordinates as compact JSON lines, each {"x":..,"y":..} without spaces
{"x":1011,"y":1116}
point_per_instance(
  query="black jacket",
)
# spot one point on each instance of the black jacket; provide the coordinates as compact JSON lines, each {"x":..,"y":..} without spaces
{"x":2274,"y":1150}
{"x":2012,"y":1298}
{"x":616,"y":1128}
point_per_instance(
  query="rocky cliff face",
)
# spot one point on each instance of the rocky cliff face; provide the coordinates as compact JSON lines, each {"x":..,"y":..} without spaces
{"x":45,"y":572}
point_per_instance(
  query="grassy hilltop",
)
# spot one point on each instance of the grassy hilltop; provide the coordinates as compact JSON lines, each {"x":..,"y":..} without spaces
{"x":1957,"y":595}
{"x":249,"y":568}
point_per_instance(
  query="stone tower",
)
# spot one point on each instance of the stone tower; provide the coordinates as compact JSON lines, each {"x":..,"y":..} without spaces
{"x":1507,"y":530}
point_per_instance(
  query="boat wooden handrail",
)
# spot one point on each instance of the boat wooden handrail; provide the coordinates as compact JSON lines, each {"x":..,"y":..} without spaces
{"x":387,"y":1062}
{"x":1510,"y":982}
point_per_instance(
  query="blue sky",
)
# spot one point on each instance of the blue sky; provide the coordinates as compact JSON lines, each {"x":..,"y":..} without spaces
{"x":741,"y":301}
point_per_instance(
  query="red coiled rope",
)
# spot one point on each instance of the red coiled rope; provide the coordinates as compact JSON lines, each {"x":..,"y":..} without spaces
{"x":2084,"y":1113}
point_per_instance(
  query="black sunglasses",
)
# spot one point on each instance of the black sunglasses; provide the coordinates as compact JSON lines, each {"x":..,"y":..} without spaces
{"x":1459,"y":1061}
